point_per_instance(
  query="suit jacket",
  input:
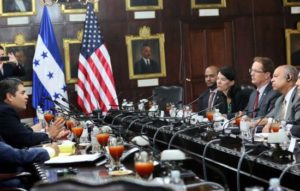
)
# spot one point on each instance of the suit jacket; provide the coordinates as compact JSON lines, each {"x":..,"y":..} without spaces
{"x":11,"y":158}
{"x":11,"y":70}
{"x":293,"y":109}
{"x":11,"y":6}
{"x":140,"y":67}
{"x":266,"y":102}
{"x":16,"y":133}
{"x":203,"y":102}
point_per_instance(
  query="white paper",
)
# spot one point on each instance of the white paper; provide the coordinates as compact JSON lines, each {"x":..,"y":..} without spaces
{"x":292,"y":145}
{"x":73,"y":159}
{"x":144,"y":15}
{"x":208,"y":12}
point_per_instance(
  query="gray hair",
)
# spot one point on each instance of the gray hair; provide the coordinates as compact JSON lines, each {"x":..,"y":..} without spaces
{"x":291,"y":72}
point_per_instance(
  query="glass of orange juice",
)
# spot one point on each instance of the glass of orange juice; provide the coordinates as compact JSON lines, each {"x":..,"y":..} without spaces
{"x":143,"y":164}
{"x":116,"y":149}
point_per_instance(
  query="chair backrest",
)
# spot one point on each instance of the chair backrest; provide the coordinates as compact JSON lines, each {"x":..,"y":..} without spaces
{"x":168,"y":94}
{"x":115,"y":184}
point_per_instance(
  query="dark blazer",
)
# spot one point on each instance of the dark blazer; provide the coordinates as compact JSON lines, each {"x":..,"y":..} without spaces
{"x":11,"y":6}
{"x":11,"y":157}
{"x":239,"y":100}
{"x":293,"y":110}
{"x":140,"y":67}
{"x":16,"y":133}
{"x":266,"y":102}
{"x":203,"y":102}
{"x":11,"y":70}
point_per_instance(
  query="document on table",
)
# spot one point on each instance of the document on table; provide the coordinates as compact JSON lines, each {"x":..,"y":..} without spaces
{"x":74,"y":159}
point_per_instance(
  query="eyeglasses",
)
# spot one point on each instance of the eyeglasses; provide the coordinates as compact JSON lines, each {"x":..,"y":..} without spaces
{"x":255,"y":71}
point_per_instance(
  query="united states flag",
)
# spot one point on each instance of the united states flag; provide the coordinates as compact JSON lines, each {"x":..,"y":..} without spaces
{"x":96,"y":86}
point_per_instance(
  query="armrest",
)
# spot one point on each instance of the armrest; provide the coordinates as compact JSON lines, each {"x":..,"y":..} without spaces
{"x":7,"y":176}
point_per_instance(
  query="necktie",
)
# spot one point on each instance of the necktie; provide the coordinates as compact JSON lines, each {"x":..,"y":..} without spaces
{"x":255,"y":106}
{"x":211,"y":99}
{"x":283,"y":110}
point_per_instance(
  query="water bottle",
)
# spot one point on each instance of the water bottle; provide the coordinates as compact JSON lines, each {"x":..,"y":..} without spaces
{"x":176,"y":179}
{"x":84,"y":136}
{"x":95,"y":144}
{"x":39,"y":113}
{"x":217,"y":120}
{"x":274,"y":185}
{"x":124,"y":104}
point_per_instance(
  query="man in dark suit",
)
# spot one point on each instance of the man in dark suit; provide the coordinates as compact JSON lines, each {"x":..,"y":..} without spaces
{"x":264,"y":97}
{"x":146,"y":65}
{"x":13,"y":98}
{"x":17,"y":6}
{"x":11,"y":68}
{"x":287,"y":106}
{"x":211,"y":96}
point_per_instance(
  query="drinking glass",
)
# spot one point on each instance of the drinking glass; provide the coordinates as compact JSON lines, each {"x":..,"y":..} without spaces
{"x":77,"y":131}
{"x":210,"y":115}
{"x":143,"y":164}
{"x":275,"y":126}
{"x":70,"y":123}
{"x":48,"y":115}
{"x":116,"y":149}
{"x":102,"y":139}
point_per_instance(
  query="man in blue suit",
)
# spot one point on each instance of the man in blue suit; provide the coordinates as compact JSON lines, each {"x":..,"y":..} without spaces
{"x":14,"y":160}
{"x":13,"y":99}
{"x":264,"y":96}
{"x":146,"y":65}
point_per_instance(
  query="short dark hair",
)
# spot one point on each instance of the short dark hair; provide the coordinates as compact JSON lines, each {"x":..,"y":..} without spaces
{"x":1,"y":47}
{"x":228,"y":72}
{"x":9,"y":85}
{"x":266,"y":62}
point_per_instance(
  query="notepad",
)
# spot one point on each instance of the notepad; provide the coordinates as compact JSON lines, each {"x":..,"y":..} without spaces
{"x":74,"y":159}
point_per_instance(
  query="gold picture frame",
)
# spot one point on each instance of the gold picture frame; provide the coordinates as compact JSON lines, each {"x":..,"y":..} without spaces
{"x":72,"y":47}
{"x":144,"y":5}
{"x":138,"y":68}
{"x":291,"y":3}
{"x":24,"y":52}
{"x":77,"y":8}
{"x":292,"y":37}
{"x":9,"y":8}
{"x":208,"y":4}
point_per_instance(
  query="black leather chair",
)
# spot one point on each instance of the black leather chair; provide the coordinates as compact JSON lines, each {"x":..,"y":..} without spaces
{"x":115,"y":184}
{"x":168,"y":94}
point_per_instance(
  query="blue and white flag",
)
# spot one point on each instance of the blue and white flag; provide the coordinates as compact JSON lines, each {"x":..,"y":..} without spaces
{"x":48,"y":68}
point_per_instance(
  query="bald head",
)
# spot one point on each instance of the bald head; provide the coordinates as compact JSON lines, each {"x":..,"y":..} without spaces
{"x":211,"y":73}
{"x":284,"y":78}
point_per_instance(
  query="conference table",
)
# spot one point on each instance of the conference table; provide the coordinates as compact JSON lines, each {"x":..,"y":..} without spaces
{"x":227,"y":164}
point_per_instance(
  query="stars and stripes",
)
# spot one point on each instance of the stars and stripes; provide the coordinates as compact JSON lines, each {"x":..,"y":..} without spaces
{"x":48,"y":76}
{"x":96,"y":86}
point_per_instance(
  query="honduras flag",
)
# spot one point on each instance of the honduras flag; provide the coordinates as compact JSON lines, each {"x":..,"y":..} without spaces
{"x":48,"y":69}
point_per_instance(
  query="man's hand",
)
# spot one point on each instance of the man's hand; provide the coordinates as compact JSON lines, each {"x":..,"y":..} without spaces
{"x":266,"y":128}
{"x":55,"y":128}
{"x":52,"y":149}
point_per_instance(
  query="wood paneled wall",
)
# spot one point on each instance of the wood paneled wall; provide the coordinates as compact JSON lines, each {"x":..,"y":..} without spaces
{"x":257,"y":30}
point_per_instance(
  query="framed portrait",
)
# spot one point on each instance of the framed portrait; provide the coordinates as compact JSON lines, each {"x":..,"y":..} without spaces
{"x":292,"y":37}
{"x":13,"y":8}
{"x":77,"y":7}
{"x":144,"y":5}
{"x":146,"y":55}
{"x":291,"y":3}
{"x":207,"y":4}
{"x":24,"y":53}
{"x":71,"y":53}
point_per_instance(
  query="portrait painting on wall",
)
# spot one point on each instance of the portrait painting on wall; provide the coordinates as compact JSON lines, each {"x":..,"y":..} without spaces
{"x":24,"y":54}
{"x":140,"y":5}
{"x":71,"y":53}
{"x":291,"y":3}
{"x":17,"y":7}
{"x":77,"y":7}
{"x":146,"y":56}
{"x":293,"y":47}
{"x":207,"y":4}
